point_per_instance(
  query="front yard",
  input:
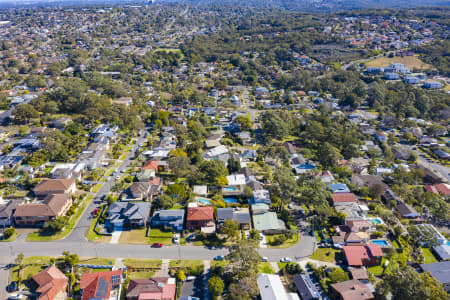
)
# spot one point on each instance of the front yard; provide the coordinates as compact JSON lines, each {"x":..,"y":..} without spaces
{"x":190,"y":267}
{"x":271,"y":241}
{"x":326,"y":254}
{"x":42,"y":236}
{"x":142,"y":268}
{"x":428,"y":256}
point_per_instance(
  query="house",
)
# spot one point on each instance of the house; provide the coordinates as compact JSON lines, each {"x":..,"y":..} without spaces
{"x":101,"y":285}
{"x":439,"y":271}
{"x":200,"y":218}
{"x":363,"y":255}
{"x":55,"y":186}
{"x":406,"y":210}
{"x":343,"y":198}
{"x":61,"y":122}
{"x":151,"y":165}
{"x":241,"y":215}
{"x":352,"y":290}
{"x":429,"y":232}
{"x":391,"y":76}
{"x":139,"y":190}
{"x":127,"y":215}
{"x":267,"y":222}
{"x":306,"y":288}
{"x":339,"y":188}
{"x":432,"y":85}
{"x":442,"y":251}
{"x":443,"y":189}
{"x":171,"y":218}
{"x":359,"y":273}
{"x":7,"y":212}
{"x":37,"y":214}
{"x":200,"y":190}
{"x":163,"y":288}
{"x":270,"y":287}
{"x":326,"y":177}
{"x":52,"y":284}
{"x":145,"y":175}
{"x":358,"y":225}
{"x":411,"y":80}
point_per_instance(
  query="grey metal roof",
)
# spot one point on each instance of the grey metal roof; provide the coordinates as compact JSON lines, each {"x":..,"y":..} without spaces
{"x":439,"y":270}
{"x":306,"y":288}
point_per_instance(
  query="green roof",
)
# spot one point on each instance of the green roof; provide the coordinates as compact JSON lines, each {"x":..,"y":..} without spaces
{"x":266,"y":221}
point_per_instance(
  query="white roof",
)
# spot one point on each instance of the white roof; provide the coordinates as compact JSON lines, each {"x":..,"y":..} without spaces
{"x":62,"y":166}
{"x":237,"y":179}
{"x":200,"y":189}
{"x":217,"y":151}
{"x":271,"y":288}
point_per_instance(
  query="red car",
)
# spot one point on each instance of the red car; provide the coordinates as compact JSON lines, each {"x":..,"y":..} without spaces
{"x":157,"y":245}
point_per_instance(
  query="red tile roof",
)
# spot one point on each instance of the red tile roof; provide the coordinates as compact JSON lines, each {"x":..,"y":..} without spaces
{"x":51,"y":282}
{"x":200,"y":213}
{"x":443,"y":189}
{"x":344,"y":197}
{"x":90,"y":284}
{"x":352,"y":290}
{"x":151,"y":165}
{"x":431,"y":188}
{"x":356,"y":254}
{"x":149,"y":289}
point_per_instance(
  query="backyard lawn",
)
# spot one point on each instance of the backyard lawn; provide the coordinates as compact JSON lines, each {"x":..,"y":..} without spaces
{"x":429,"y":256}
{"x":377,"y":270}
{"x":41,"y":236}
{"x":325,"y":254}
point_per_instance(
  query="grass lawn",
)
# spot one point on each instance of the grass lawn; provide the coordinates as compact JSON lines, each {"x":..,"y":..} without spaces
{"x":190,"y":267}
{"x":42,"y":237}
{"x":92,"y":236}
{"x":219,"y":263}
{"x":265,"y":267}
{"x":12,"y":238}
{"x":377,"y":270}
{"x":325,"y":254}
{"x":134,"y":236}
{"x":142,"y":263}
{"x":141,"y":275}
{"x":97,"y":261}
{"x":96,"y":187}
{"x":318,"y":236}
{"x":30,"y":267}
{"x":411,"y":62}
{"x":158,"y":236}
{"x":429,"y":256}
{"x":281,"y":265}
{"x":288,"y":243}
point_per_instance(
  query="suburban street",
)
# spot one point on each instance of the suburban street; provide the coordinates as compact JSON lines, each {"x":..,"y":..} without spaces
{"x":442,"y":170}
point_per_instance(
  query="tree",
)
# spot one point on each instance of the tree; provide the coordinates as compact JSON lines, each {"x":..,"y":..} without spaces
{"x":338,"y":275}
{"x":215,"y":286}
{"x":57,"y":224}
{"x":328,"y":155}
{"x":275,"y":125}
{"x":181,"y":276}
{"x":70,"y":259}
{"x":406,"y":284}
{"x":244,"y":259}
{"x":211,"y":170}
{"x":230,"y":228}
{"x":24,"y":113}
{"x":180,"y":165}
{"x":287,"y":186}
{"x":222,"y":180}
{"x":233,"y":165}
{"x":177,"y":191}
{"x":166,"y":201}
{"x":9,"y":233}
{"x":245,"y":122}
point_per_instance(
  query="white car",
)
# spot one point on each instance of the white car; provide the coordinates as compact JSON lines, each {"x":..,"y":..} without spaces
{"x":286,"y":259}
{"x":16,"y":296}
{"x":190,"y":278}
{"x":176,"y":239}
{"x":264,"y":258}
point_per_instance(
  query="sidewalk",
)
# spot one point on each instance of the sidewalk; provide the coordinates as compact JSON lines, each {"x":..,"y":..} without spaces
{"x":115,"y":237}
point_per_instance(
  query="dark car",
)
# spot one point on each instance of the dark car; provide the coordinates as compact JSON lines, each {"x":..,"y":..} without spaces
{"x":12,"y":286}
{"x":157,"y":245}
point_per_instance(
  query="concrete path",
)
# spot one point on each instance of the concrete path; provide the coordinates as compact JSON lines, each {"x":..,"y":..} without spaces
{"x":263,"y":242}
{"x":115,"y":237}
{"x":275,"y":267}
{"x":119,"y":263}
{"x":164,"y":271}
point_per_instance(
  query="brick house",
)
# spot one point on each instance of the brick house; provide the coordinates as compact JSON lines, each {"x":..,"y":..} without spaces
{"x":363,"y":255}
{"x":154,"y":288}
{"x":101,"y":285}
{"x":52,"y":284}
{"x":37,"y":214}
{"x":200,"y":217}
{"x":55,"y":186}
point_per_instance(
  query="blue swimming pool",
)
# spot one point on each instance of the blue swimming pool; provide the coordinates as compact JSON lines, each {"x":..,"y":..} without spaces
{"x":203,"y":200}
{"x":229,"y":189}
{"x":230,"y":200}
{"x":380,"y":242}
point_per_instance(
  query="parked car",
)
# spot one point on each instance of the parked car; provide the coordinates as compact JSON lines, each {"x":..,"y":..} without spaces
{"x":261,"y":236}
{"x":264,"y":258}
{"x":12,"y":286}
{"x":157,"y":245}
{"x":190,"y":278}
{"x":16,"y":296}
{"x":286,"y":259}
{"x":176,"y":239}
{"x":219,"y":257}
